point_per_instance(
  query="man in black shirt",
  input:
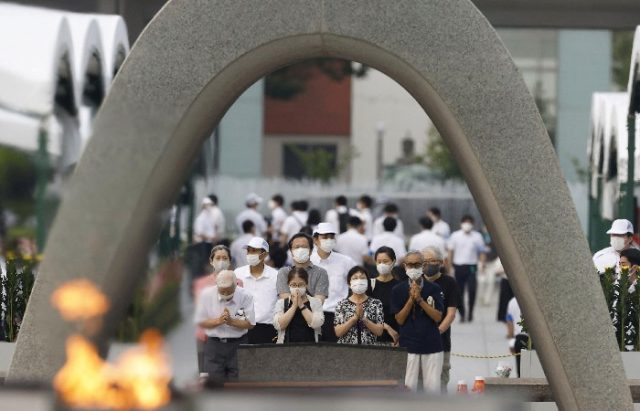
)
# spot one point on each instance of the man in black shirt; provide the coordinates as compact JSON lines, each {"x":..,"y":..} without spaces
{"x":433,"y":271}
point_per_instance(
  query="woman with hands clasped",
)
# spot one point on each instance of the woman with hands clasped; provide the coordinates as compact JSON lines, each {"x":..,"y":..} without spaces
{"x":298,"y":317}
{"x":359,"y":318}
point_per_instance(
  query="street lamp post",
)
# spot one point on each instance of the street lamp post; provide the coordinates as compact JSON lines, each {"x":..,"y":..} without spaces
{"x":379,"y":137}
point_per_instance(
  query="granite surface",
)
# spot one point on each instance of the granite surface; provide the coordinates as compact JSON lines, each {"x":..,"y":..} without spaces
{"x":197,"y":56}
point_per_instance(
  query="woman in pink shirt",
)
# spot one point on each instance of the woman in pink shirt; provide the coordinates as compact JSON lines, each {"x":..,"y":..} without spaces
{"x":220,"y":259}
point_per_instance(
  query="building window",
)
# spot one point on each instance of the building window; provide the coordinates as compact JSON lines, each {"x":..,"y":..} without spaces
{"x":313,"y":161}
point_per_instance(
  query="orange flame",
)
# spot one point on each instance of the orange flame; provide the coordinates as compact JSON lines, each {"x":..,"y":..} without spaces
{"x":79,"y":300}
{"x":140,"y":377}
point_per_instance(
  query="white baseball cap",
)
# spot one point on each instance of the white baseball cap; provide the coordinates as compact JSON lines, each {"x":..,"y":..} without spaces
{"x":253,"y":198}
{"x":325,"y":228}
{"x":258,"y":243}
{"x":621,"y":227}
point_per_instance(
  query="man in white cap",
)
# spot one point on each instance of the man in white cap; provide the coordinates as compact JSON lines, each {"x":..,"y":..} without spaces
{"x":260,"y":281}
{"x":621,"y":233}
{"x":225,"y":312}
{"x":250,"y":213}
{"x":337,"y":266}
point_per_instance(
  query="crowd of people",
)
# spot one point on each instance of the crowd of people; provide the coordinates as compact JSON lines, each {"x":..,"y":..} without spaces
{"x":348,"y":279}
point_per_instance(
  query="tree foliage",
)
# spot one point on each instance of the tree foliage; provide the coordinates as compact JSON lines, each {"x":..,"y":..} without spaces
{"x":439,"y":158}
{"x":622,"y":48}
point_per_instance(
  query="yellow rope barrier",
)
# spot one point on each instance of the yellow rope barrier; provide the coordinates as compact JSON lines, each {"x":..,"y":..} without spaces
{"x":484,"y":357}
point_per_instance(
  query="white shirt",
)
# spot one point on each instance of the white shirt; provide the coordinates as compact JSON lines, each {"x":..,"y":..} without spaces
{"x":427,"y":238}
{"x":352,"y":244}
{"x":466,"y":247}
{"x":255,"y":217}
{"x":337,"y":266}
{"x":210,"y":306}
{"x":441,"y":228}
{"x":278,"y":215}
{"x":378,"y":227}
{"x":263,"y":290}
{"x":514,"y":315}
{"x":238,"y":252}
{"x":204,"y":228}
{"x":607,"y":257}
{"x":367,"y":220}
{"x":333,"y":216}
{"x":219,"y":221}
{"x":390,"y":240}
{"x":294,"y":223}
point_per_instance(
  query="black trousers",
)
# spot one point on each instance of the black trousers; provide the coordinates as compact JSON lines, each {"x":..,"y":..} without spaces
{"x":328,"y":332}
{"x":522,"y":342}
{"x":466,"y":279}
{"x":262,"y":334}
{"x":221,"y":359}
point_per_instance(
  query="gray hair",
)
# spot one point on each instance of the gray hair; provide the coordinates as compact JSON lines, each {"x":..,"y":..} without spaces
{"x":415,"y":252}
{"x":433,"y":250}
{"x":217,"y":248}
{"x":226,"y":279}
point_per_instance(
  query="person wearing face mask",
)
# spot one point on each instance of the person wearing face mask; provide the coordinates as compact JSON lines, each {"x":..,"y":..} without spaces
{"x":299,"y":317}
{"x":226,"y":313}
{"x":418,"y":305}
{"x":300,"y":247}
{"x":337,"y":266}
{"x":621,"y":233}
{"x":434,"y":272}
{"x":259,"y":280}
{"x":359,"y":319}
{"x":220,"y":260}
{"x":381,"y":286}
{"x":467,"y":254}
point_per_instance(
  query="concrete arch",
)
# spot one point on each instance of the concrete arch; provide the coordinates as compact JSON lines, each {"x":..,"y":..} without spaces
{"x":195,"y":59}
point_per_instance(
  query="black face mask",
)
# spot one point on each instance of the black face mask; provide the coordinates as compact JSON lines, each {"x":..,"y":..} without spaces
{"x":432,"y":269}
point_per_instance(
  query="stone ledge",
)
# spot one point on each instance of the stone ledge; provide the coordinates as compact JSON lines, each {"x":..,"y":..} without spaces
{"x":537,"y":389}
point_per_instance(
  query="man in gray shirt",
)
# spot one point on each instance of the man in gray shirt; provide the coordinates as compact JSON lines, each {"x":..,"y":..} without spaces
{"x":301,"y":246}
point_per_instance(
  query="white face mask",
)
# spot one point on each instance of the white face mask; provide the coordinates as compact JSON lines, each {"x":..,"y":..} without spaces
{"x":297,"y":290}
{"x":327,"y":245}
{"x":225,"y":297}
{"x":253,"y":259}
{"x":300,"y":255}
{"x":359,"y":286}
{"x":617,"y":243}
{"x":220,"y":265}
{"x":384,"y":268}
{"x":466,"y":227}
{"x":414,"y":273}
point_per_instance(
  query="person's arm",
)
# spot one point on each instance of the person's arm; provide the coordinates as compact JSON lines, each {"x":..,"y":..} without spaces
{"x":510,"y":329}
{"x":431,"y":312}
{"x":322,"y":286}
{"x":249,"y":320}
{"x":306,"y":313}
{"x":281,"y":283}
{"x":448,"y":319}
{"x":449,"y":261}
{"x":283,"y":318}
{"x":211,"y":323}
{"x":317,"y":318}
{"x":376,"y":325}
{"x":242,"y":324}
{"x":401,"y":316}
{"x":341,"y":324}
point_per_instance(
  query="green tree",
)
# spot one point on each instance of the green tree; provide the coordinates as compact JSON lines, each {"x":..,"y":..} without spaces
{"x":621,"y":50}
{"x":439,"y":158}
{"x":321,"y":164}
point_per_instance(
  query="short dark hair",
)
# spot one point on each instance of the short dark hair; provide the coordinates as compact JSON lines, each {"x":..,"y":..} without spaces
{"x":305,"y":236}
{"x":385,"y":250}
{"x":366,"y":200}
{"x":295,"y":205}
{"x":314,"y":217}
{"x":426,"y":223}
{"x":467,"y":218}
{"x":304,"y":205}
{"x":389,"y":224}
{"x":354,"y":221}
{"x":298,"y":271}
{"x":435,"y":211}
{"x":341,"y":200}
{"x":247,"y":226}
{"x":278,"y":199}
{"x":632,"y":254}
{"x":359,"y":269}
{"x":213,"y":198}
{"x":391,"y":208}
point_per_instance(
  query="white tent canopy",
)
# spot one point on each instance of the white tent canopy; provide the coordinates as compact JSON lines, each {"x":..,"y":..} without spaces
{"x":115,"y":44}
{"x":35,"y":48}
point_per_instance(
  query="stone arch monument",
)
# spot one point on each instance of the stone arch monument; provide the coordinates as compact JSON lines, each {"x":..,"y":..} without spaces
{"x":197,"y":56}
